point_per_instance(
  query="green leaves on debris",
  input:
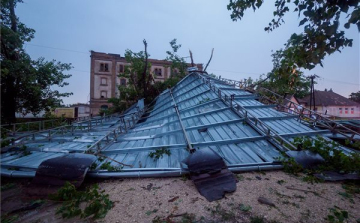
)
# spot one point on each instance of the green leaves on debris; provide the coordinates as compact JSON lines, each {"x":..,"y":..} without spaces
{"x":97,"y":203}
{"x":8,"y":186}
{"x":337,"y":215}
{"x":204,"y":101}
{"x":335,"y":158}
{"x":159,"y":153}
{"x":107,"y":166}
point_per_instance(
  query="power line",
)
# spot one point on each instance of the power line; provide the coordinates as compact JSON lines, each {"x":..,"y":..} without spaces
{"x":341,"y":82}
{"x":55,"y":48}
{"x":238,"y":72}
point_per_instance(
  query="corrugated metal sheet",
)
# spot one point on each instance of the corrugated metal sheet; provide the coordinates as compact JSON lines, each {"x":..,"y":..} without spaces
{"x":208,"y":120}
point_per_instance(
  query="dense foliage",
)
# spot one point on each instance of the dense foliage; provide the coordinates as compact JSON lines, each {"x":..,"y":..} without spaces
{"x":142,"y":84}
{"x":25,"y":83}
{"x":355,"y":96}
{"x":138,"y":82}
{"x":321,"y":36}
{"x":285,"y":77}
{"x":335,"y":158}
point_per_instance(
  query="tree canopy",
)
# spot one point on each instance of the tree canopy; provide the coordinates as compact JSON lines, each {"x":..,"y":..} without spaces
{"x":141,"y":83}
{"x":25,"y":83}
{"x":321,"y":21}
{"x":355,"y":96}
{"x":321,"y":35}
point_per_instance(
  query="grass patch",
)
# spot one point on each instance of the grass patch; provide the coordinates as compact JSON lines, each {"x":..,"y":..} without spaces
{"x":9,"y":219}
{"x":223,"y":214}
{"x":257,"y":219}
{"x":151,"y":212}
{"x":281,"y":182}
{"x":239,"y":177}
{"x":245,"y":208}
{"x":337,"y":215}
{"x":8,"y":186}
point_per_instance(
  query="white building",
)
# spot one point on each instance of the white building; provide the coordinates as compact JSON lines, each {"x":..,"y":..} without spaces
{"x":334,"y":105}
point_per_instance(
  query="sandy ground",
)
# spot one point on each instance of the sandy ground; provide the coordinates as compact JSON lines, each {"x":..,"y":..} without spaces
{"x":177,"y":200}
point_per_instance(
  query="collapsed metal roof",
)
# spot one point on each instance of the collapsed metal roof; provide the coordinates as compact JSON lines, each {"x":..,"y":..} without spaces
{"x":246,"y":133}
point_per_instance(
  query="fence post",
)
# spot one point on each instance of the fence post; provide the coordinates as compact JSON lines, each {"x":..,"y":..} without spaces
{"x":133,"y":119}
{"x":125,"y":125}
{"x":115,"y":136}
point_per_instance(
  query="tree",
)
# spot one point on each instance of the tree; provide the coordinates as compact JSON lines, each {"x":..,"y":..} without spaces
{"x":355,"y":96}
{"x":25,"y":83}
{"x":178,"y":64}
{"x":141,"y":81}
{"x":321,"y":37}
{"x":285,"y":77}
{"x":320,"y":20}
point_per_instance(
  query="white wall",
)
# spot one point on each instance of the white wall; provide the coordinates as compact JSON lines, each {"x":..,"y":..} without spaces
{"x":335,"y":111}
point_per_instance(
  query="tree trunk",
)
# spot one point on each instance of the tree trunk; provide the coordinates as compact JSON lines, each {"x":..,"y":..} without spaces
{"x":8,"y":97}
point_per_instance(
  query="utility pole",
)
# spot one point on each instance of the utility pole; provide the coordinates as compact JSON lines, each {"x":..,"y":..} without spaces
{"x":312,"y":91}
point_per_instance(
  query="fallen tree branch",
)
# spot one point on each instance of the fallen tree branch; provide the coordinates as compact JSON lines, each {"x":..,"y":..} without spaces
{"x":212,"y":51}
{"x":306,"y":191}
{"x":145,"y":70}
{"x":191,"y":57}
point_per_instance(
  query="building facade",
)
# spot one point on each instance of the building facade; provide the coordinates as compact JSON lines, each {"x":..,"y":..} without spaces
{"x":83,"y":109}
{"x":330,"y":104}
{"x":104,"y":80}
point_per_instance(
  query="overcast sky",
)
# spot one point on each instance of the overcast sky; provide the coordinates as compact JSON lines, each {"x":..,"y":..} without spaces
{"x":67,"y":30}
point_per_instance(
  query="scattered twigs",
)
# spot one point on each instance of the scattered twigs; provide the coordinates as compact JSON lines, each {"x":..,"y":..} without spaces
{"x":176,"y":215}
{"x":306,"y":191}
{"x":212,"y":51}
{"x":294,"y":188}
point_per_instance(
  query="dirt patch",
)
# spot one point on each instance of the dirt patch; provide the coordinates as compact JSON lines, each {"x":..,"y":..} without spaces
{"x":294,"y":200}
{"x":260,"y":197}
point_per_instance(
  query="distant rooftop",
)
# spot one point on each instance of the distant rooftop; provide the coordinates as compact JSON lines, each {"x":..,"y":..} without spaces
{"x":329,"y":98}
